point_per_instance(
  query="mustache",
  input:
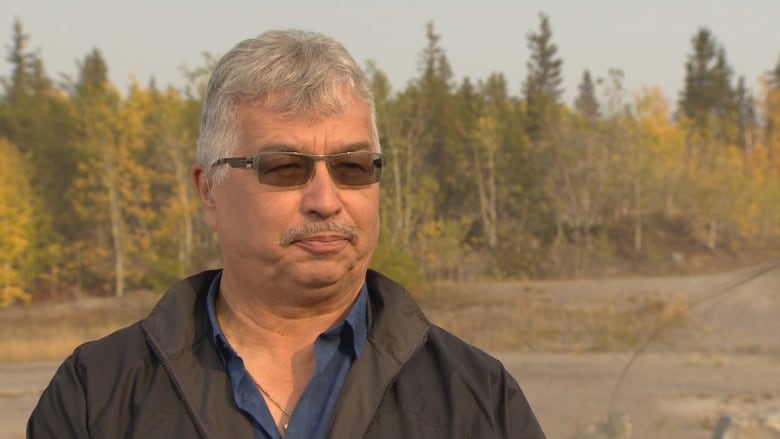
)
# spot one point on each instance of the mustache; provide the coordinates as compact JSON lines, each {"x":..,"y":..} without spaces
{"x":344,"y":229}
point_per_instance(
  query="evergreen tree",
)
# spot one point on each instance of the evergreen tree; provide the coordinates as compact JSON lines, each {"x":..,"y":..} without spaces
{"x":711,"y":117}
{"x":586,"y":103}
{"x":438,"y":112}
{"x":38,"y":119}
{"x":708,"y":101}
{"x":434,"y":118}
{"x":774,"y":75}
{"x":542,"y":92}
{"x":20,"y":86}
{"x":747,"y":117}
{"x":542,"y":87}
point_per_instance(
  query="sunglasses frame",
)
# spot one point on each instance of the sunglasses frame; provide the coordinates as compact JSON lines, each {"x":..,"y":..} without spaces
{"x":252,"y":162}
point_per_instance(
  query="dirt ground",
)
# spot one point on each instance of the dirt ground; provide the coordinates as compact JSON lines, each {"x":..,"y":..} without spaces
{"x":724,"y":359}
{"x":664,"y":395}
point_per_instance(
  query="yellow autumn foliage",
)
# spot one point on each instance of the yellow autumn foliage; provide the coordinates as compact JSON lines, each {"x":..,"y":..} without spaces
{"x":15,"y":223}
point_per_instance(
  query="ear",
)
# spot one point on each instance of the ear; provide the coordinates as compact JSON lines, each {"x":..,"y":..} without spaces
{"x":203,"y":188}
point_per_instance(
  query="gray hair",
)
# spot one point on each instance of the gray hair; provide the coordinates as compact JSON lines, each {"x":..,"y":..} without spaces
{"x":292,"y":72}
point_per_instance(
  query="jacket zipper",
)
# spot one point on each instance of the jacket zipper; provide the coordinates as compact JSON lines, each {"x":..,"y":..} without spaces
{"x":188,"y":407}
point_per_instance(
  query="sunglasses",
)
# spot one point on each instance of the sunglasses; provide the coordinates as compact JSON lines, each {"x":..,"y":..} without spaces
{"x":288,"y":169}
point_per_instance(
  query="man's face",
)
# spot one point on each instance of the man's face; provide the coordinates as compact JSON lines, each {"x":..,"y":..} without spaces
{"x":251,"y":218}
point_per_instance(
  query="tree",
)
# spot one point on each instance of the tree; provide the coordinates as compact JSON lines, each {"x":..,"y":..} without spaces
{"x":103,"y":177}
{"x":16,"y":224}
{"x":438,"y":110}
{"x":542,"y":91}
{"x":772,"y":115}
{"x":747,"y":120}
{"x":652,"y":162}
{"x":401,"y":128}
{"x":418,"y":128}
{"x":586,"y":103}
{"x":38,"y":119}
{"x":707,"y":101}
{"x":169,"y":129}
{"x":542,"y":86}
{"x":710,"y":112}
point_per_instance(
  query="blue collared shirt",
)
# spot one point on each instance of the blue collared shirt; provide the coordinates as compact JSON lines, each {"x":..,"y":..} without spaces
{"x":334,"y":351}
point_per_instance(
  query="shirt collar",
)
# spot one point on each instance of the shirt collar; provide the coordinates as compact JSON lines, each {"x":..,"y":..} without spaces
{"x":356,"y":319}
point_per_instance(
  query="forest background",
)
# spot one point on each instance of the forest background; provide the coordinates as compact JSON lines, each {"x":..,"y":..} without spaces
{"x":96,"y":199}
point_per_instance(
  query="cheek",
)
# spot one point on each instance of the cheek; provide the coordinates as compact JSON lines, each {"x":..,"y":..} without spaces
{"x":268,"y":216}
{"x":243,"y":214}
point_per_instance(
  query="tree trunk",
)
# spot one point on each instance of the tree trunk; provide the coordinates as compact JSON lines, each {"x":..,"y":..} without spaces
{"x":117,"y":226}
{"x":486,"y":188}
{"x":712,"y":235}
{"x":637,"y":215}
{"x":186,"y":245}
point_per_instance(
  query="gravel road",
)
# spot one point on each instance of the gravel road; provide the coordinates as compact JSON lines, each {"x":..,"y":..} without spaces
{"x":20,"y":387}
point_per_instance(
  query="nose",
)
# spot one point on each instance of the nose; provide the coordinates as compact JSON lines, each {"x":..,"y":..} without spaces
{"x":321,"y":196}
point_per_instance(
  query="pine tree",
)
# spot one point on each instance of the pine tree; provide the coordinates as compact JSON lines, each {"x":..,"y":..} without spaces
{"x":542,"y":87}
{"x":774,"y":76}
{"x":433,"y":120}
{"x":19,"y":87}
{"x":708,"y":101}
{"x":709,"y":106}
{"x":438,"y":112}
{"x":586,"y":103}
{"x":748,"y":122}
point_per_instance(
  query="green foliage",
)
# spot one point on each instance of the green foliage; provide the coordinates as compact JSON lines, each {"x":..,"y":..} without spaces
{"x":586,"y":103}
{"x":708,"y":103}
{"x":396,"y":261}
{"x":542,"y":86}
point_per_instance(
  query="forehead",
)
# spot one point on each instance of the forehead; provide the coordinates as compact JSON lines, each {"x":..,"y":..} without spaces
{"x":261,"y":125}
{"x":306,"y":104}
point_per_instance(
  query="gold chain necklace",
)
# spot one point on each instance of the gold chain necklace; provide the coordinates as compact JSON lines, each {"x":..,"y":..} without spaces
{"x":274,"y":401}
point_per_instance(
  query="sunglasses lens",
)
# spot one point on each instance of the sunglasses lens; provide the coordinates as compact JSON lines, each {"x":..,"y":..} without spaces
{"x":356,"y":169}
{"x":286,"y":169}
{"x":283,"y":169}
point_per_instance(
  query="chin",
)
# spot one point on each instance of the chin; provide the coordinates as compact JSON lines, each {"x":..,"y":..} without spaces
{"x":317,"y":276}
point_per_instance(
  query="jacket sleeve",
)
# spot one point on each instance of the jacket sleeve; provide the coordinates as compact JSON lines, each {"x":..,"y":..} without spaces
{"x":516,"y":416}
{"x":61,"y":410}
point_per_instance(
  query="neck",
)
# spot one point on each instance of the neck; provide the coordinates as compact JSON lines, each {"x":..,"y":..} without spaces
{"x":276,"y":329}
{"x":279,"y":324}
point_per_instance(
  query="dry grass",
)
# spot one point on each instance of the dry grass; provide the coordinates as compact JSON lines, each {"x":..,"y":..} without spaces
{"x":519,"y":317}
{"x":51,"y":331}
{"x":512,"y":316}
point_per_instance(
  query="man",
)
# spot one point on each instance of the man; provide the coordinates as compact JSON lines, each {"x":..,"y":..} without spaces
{"x":295,"y":336}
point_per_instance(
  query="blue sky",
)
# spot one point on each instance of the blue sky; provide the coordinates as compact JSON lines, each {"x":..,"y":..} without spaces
{"x":648,"y":40}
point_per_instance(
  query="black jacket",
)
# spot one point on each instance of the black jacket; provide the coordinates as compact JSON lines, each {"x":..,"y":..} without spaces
{"x":162,"y":378}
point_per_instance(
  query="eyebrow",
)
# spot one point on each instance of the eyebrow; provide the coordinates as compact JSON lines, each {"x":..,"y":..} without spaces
{"x":283,"y":147}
